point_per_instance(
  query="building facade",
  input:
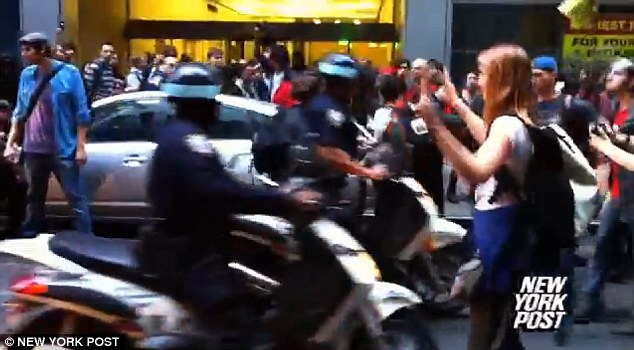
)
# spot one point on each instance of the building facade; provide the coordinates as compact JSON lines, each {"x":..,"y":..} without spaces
{"x":455,"y":31}
{"x":366,"y":29}
{"x":9,"y":27}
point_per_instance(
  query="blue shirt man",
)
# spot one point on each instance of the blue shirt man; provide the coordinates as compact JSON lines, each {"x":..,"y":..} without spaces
{"x":54,"y":132}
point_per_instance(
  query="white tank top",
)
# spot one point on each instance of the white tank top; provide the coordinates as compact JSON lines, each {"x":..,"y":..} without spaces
{"x":517,"y":163}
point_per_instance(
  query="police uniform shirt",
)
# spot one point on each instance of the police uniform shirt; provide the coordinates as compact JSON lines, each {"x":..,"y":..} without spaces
{"x":332,"y":124}
{"x":191,"y":189}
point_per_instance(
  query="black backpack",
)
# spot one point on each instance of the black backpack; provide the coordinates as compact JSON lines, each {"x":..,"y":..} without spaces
{"x":547,"y":198}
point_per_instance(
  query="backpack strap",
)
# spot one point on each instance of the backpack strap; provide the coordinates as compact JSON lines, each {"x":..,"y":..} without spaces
{"x":506,"y":182}
{"x":39,"y":90}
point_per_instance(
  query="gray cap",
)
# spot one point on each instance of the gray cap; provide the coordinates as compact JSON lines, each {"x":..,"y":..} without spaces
{"x":4,"y":104}
{"x":34,"y":38}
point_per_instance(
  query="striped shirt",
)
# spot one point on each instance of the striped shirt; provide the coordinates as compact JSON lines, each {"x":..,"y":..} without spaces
{"x":105,"y":85}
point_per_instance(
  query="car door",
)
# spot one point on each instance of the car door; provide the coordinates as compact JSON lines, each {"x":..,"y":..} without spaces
{"x":120,"y":146}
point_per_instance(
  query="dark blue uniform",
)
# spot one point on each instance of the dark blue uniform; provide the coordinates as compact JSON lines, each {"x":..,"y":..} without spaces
{"x":332,"y":125}
{"x":190,"y":189}
{"x":333,"y":122}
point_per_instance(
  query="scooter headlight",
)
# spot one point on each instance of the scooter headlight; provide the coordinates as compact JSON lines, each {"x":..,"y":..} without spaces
{"x":367,"y":260}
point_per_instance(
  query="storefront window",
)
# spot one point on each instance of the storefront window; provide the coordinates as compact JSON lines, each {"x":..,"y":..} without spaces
{"x":197,"y":49}
{"x":288,"y":11}
{"x":316,"y":50}
{"x":379,"y":53}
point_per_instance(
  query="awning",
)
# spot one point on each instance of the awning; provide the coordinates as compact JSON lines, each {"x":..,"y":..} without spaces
{"x":370,"y":32}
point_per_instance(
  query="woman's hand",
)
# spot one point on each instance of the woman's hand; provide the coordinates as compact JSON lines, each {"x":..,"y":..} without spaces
{"x":599,"y":140}
{"x":426,"y":109}
{"x":448,"y":93}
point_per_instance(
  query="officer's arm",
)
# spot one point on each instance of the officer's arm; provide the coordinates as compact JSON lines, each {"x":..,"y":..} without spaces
{"x":206,"y":181}
{"x":341,"y":161}
{"x":328,"y":148}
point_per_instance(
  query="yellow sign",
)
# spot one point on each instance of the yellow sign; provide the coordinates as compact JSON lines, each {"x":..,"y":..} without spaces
{"x":597,"y":47}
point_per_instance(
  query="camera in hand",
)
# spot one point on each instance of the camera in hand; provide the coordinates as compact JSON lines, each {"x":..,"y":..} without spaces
{"x":597,"y":128}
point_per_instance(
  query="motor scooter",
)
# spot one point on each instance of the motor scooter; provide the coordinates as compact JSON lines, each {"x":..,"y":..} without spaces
{"x":422,"y":250}
{"x":327,"y":295}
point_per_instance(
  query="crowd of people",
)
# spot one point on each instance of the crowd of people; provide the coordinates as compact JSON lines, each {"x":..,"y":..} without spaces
{"x":479,"y":129}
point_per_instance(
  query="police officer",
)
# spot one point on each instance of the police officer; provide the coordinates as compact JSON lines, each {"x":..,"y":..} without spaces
{"x":194,"y":194}
{"x":335,"y":135}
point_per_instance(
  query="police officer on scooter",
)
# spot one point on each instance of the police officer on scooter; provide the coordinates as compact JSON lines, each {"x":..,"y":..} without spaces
{"x":334,"y":133}
{"x":192,"y":192}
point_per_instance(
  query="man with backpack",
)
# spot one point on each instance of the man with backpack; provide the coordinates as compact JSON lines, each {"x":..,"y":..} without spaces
{"x":48,"y":131}
{"x":574,"y":115}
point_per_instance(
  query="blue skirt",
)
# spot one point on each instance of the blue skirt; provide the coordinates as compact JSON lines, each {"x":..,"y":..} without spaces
{"x":500,"y":241}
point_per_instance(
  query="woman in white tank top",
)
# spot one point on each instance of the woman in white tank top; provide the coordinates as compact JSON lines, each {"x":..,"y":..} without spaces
{"x":505,"y":79}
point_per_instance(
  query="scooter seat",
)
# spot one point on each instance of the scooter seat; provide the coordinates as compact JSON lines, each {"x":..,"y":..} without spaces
{"x":108,"y":256}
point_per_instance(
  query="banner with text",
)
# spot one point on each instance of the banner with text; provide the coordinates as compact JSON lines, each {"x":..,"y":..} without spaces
{"x":600,"y":47}
{"x":611,"y":36}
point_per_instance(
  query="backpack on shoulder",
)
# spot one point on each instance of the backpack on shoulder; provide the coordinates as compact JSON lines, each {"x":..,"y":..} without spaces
{"x":547,"y":196}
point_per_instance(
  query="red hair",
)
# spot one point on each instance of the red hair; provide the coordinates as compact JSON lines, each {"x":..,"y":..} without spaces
{"x":508,"y":72}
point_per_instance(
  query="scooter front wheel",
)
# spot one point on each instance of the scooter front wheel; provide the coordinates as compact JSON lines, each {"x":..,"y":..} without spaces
{"x":407,"y":330}
{"x":404,"y":330}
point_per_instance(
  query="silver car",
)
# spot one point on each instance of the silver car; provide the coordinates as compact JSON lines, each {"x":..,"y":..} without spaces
{"x":121,"y":142}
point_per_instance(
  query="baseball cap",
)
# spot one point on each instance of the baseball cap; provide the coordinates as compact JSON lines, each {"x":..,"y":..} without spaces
{"x":546,"y":63}
{"x":34,"y":38}
{"x":4,"y":105}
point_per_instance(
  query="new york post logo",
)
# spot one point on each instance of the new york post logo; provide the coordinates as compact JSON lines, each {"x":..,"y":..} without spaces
{"x":539,"y":305}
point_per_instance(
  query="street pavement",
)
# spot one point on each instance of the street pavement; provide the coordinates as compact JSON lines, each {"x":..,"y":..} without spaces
{"x":451,"y":332}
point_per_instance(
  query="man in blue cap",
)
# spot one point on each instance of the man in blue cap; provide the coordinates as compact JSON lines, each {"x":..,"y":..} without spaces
{"x":573,"y":115}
